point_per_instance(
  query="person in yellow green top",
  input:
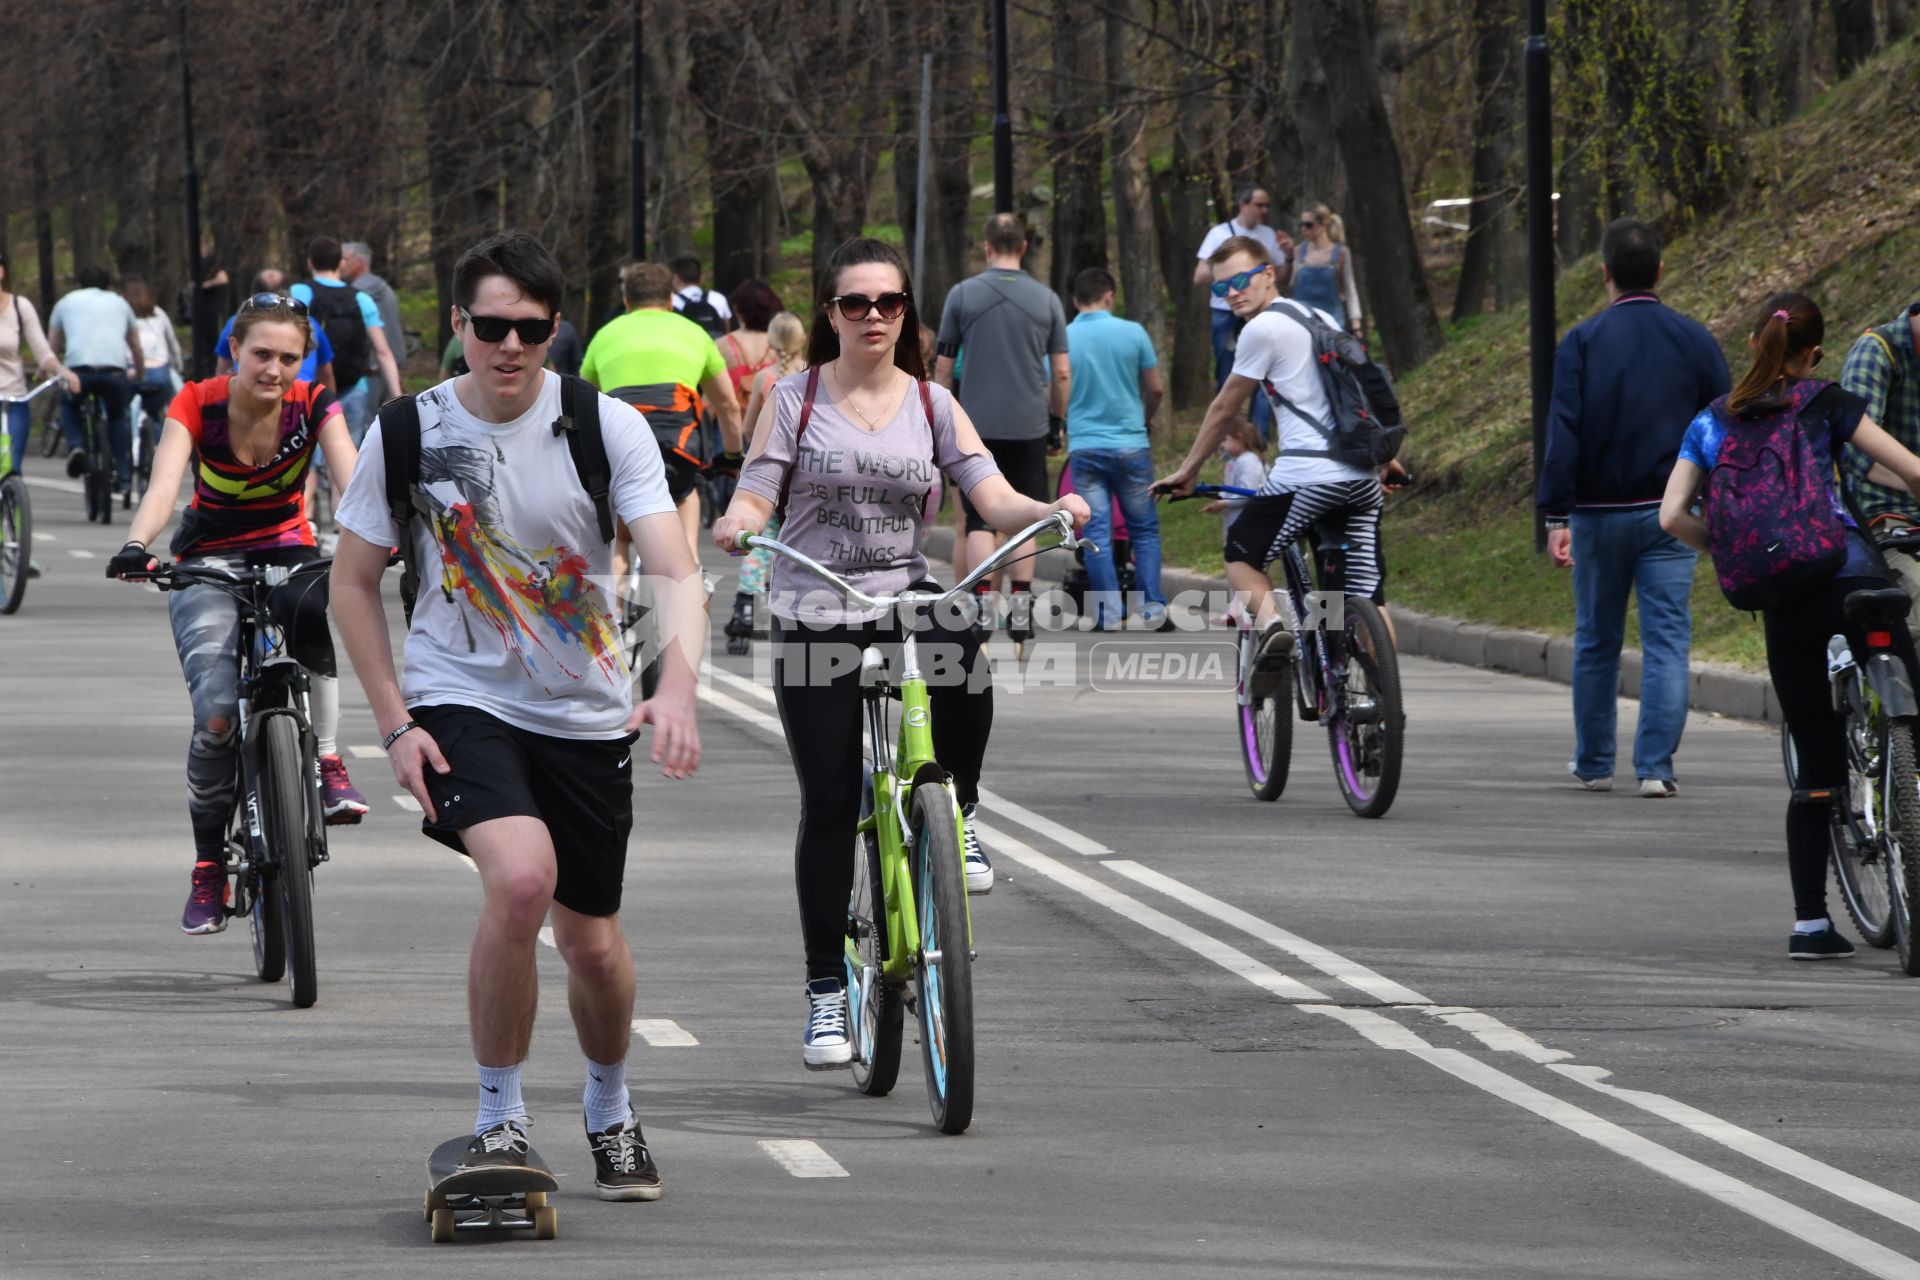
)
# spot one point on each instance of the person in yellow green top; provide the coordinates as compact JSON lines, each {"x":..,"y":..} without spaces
{"x":669,"y":369}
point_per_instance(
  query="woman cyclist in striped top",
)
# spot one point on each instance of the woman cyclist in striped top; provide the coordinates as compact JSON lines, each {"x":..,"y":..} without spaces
{"x":250,"y":439}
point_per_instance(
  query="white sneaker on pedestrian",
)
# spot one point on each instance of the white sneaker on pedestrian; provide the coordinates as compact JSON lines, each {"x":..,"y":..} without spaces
{"x":1658,"y":788}
{"x":1591,"y":784}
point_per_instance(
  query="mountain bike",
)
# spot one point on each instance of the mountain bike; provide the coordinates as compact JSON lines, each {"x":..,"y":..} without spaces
{"x":277,"y":833}
{"x":1336,"y":654}
{"x":16,"y":513}
{"x":909,"y":935}
{"x":96,"y":475}
{"x":1880,"y":808}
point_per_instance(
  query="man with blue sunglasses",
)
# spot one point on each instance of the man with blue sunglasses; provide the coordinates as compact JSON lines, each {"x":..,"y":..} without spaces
{"x":1249,"y":220}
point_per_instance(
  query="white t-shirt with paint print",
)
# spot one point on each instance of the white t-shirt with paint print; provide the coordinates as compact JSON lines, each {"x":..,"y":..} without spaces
{"x":514,"y":615}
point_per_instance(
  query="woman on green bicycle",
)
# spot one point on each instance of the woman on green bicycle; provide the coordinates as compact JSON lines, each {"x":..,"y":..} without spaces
{"x":250,"y":439}
{"x":875,"y":434}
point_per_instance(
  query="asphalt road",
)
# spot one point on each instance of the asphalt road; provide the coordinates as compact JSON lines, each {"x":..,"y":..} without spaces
{"x":1512,"y":1030}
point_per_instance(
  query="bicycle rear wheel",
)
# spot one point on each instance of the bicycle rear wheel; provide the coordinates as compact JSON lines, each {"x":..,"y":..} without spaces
{"x":16,"y":542}
{"x":874,"y":1009}
{"x":1900,"y":829}
{"x":945,"y":967}
{"x":1367,"y":726}
{"x":1859,"y":852}
{"x":283,"y":819}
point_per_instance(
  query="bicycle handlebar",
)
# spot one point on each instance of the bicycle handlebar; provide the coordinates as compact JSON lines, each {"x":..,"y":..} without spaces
{"x":31,"y":395}
{"x":176,"y":576}
{"x":1400,"y":481}
{"x":1058,"y":522}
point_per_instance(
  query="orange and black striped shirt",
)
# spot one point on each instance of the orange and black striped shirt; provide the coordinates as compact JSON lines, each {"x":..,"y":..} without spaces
{"x":236,"y":506}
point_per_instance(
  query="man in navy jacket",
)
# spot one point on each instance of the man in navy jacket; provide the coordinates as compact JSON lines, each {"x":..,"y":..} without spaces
{"x":1625,"y":385}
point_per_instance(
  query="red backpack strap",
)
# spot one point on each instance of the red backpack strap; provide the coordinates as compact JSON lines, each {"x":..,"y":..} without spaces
{"x":799,"y":430}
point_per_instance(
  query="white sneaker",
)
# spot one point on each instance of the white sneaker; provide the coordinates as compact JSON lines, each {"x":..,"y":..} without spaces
{"x":1658,"y":788}
{"x":973,"y":857}
{"x":825,"y":1045}
{"x":1591,"y":784}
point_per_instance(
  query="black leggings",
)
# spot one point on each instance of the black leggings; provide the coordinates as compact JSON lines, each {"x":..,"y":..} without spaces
{"x":820,"y":710}
{"x":1797,"y":638}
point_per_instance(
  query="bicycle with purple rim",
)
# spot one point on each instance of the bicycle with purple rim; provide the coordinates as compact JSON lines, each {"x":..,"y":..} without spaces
{"x":1336,"y":655}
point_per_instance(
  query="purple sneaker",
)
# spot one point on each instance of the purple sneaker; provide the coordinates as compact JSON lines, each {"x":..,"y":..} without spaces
{"x":207,"y":904}
{"x":338,"y":799}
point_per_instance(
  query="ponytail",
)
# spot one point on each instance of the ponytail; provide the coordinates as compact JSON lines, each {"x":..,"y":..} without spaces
{"x":1790,"y":325}
{"x":1336,"y":229}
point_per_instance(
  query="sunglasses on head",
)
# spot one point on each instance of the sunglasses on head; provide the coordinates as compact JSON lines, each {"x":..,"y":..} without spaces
{"x":856,"y":306}
{"x":533,"y":330}
{"x":268,"y":301}
{"x":1237,"y":284}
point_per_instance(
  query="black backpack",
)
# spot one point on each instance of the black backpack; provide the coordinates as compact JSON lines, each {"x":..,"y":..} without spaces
{"x":579,"y":420}
{"x":704,"y":314}
{"x":336,"y":308}
{"x":1366,"y":429}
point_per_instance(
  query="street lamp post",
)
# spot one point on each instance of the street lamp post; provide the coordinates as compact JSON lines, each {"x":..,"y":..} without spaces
{"x":1002,"y":118}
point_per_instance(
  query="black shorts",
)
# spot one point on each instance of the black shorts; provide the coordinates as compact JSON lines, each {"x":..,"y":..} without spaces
{"x":1024,"y":464}
{"x":682,"y":476}
{"x":1270,"y":523}
{"x":582,"y":788}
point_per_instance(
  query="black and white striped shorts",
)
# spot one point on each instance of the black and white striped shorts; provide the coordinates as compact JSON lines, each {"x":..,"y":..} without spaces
{"x":1271,"y":522}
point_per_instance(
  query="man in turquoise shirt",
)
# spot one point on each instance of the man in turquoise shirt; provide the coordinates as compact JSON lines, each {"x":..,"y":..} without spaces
{"x":1115,"y":390}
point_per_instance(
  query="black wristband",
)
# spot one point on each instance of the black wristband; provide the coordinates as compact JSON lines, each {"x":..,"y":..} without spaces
{"x":387,"y":743}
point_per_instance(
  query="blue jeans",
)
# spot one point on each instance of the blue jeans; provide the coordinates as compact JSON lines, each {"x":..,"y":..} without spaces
{"x":1102,"y":476}
{"x":114,"y":392}
{"x":1615,"y":552}
{"x":1225,"y":330}
{"x":19,"y":422}
{"x":356,"y":407}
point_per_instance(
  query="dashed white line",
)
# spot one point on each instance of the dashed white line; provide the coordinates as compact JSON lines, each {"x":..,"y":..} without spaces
{"x":408,"y":803}
{"x":366,"y":753}
{"x":546,"y":936}
{"x":663,"y":1033}
{"x":802,"y":1159}
{"x":80,"y":553}
{"x":758,"y":719}
{"x":44,"y":537}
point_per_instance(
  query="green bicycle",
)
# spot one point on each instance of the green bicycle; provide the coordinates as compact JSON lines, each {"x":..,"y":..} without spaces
{"x":16,"y":513}
{"x":909,"y":934}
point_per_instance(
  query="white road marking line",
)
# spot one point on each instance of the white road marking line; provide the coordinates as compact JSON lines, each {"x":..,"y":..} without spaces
{"x":758,"y":719}
{"x":367,"y":753}
{"x":1868,"y":1196}
{"x":80,"y":553}
{"x":802,"y":1159}
{"x":1495,"y":1034}
{"x":44,"y":537}
{"x":1873,"y":1258}
{"x":546,"y":936}
{"x":408,"y":803}
{"x":1044,"y":826}
{"x":751,"y":688}
{"x":1354,"y":974}
{"x":64,"y":486}
{"x":1210,"y":948}
{"x":663,"y":1033}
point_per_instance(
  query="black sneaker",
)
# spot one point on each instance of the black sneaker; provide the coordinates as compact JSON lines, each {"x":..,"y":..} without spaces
{"x":76,"y":464}
{"x":623,"y":1168}
{"x":1824,"y":945}
{"x":504,"y":1146}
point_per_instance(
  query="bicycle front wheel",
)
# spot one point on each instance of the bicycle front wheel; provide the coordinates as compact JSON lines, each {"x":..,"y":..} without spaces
{"x":16,"y":542}
{"x":1367,"y":726}
{"x":944,"y":967}
{"x":1266,"y":738}
{"x":1900,"y":834}
{"x":283,"y":820}
{"x":874,"y":1009}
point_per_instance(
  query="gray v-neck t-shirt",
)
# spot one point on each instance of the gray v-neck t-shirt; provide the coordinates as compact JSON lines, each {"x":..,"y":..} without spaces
{"x":858,"y":497}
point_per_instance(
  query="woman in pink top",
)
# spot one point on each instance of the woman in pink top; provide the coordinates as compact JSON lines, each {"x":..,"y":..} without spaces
{"x":20,"y":332}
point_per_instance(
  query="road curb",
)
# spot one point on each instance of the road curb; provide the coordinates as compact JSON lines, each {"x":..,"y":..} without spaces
{"x":1711,"y":686}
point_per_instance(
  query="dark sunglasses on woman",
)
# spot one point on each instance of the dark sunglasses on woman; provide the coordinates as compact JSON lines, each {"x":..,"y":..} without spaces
{"x":533,"y":330}
{"x":856,"y":306}
{"x":268,"y":301}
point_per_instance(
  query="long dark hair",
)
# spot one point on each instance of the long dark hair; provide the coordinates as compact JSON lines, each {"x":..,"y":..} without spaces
{"x":823,"y":344}
{"x":1790,"y":325}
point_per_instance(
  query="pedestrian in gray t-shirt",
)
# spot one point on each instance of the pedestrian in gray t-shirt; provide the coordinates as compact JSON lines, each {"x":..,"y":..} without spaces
{"x":356,"y":268}
{"x":1014,"y":337}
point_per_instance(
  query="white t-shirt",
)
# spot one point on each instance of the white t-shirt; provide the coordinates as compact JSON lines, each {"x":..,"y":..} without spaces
{"x":694,"y":293}
{"x":1277,"y":350}
{"x":514,"y":616}
{"x":1221,"y":232}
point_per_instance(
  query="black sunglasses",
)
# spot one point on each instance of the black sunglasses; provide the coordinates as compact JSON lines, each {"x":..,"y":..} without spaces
{"x":533,"y":330}
{"x":856,"y":306}
{"x":268,"y":301}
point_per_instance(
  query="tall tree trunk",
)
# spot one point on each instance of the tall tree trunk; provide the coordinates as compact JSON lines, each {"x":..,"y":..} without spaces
{"x":1899,"y":20}
{"x":669,"y":70}
{"x":1854,"y":39}
{"x":1079,"y":212}
{"x":43,"y":229}
{"x":1141,"y":291}
{"x":1399,"y":301}
{"x":1286,"y":149}
{"x":463,"y":197}
{"x":1490,"y":218}
{"x":1320,"y":174}
{"x":957,"y":48}
{"x":1186,"y":185}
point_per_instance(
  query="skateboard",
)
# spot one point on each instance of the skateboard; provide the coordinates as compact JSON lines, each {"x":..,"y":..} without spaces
{"x":491,"y":1198}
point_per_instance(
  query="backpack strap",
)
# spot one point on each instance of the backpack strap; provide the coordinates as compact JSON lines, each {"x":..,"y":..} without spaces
{"x":400,"y":452}
{"x":1286,"y":307}
{"x":1893,"y":362}
{"x":799,"y":429}
{"x":926,"y":404}
{"x":579,"y":421}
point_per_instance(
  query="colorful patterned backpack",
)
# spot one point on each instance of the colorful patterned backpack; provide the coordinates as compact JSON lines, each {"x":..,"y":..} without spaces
{"x":1772,"y":529}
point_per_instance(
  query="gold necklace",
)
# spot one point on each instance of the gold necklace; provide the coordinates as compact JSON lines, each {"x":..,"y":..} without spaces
{"x":846,"y":398}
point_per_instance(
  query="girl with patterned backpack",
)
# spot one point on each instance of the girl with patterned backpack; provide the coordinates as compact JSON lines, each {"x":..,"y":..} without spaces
{"x":1761,"y":461}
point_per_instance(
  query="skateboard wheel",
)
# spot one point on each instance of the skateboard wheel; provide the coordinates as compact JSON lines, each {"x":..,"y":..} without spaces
{"x":426,"y":1213}
{"x":536,"y":1200}
{"x":442,"y":1225}
{"x":546,"y":1221}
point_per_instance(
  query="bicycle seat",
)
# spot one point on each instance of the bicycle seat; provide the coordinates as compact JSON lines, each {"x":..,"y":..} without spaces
{"x":1884,"y":605}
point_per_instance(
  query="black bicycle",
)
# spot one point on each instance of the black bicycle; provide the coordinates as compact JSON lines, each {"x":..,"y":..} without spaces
{"x":277,"y":834}
{"x":96,"y":460}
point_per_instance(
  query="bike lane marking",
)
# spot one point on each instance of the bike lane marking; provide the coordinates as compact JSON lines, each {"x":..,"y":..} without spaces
{"x":367,"y":753}
{"x":803,"y":1159}
{"x":80,"y":553}
{"x":408,"y":803}
{"x":663,"y":1033}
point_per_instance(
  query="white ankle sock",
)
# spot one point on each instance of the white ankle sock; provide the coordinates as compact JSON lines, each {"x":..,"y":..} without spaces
{"x":499,"y":1096}
{"x":1812,"y":926}
{"x":606,"y":1096}
{"x":323,"y":697}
